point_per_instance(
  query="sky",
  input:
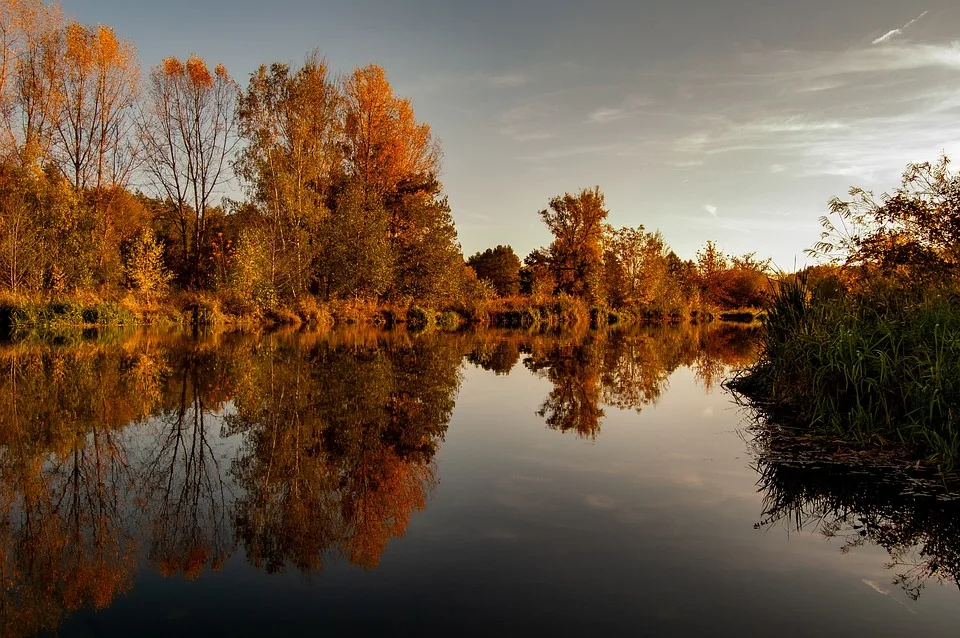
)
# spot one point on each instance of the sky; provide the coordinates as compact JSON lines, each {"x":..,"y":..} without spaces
{"x":732,"y":120}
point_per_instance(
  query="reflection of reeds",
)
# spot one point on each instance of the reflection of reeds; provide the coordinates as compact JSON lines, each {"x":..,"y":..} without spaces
{"x":915,"y":518}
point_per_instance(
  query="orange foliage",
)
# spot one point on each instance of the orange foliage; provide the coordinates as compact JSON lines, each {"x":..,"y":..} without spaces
{"x":198,"y":72}
{"x":386,"y":144}
{"x":172,"y":67}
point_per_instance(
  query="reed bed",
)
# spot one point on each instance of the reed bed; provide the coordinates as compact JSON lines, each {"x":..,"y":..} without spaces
{"x":882,"y":370}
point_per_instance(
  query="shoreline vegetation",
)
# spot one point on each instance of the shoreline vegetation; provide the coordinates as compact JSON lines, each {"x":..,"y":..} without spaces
{"x":864,"y":354}
{"x":303,"y":197}
{"x":22,"y":315}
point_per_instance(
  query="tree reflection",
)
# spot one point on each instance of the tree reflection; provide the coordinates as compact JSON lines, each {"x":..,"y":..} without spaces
{"x":66,"y":536}
{"x":916,"y":521}
{"x":340,"y":447}
{"x":628,"y":370}
{"x":183,"y":482}
{"x":173,"y":451}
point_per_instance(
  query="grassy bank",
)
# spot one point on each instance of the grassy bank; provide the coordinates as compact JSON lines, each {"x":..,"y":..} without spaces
{"x":25,"y":314}
{"x":878,"y":371}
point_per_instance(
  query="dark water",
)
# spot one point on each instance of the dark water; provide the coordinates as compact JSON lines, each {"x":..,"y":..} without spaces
{"x":437,"y":485}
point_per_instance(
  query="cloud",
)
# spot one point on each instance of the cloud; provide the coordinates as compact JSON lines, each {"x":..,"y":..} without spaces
{"x":710,"y":208}
{"x":574,"y":151}
{"x":508,"y":79}
{"x":517,"y":134}
{"x":889,"y":35}
{"x":685,"y":163}
{"x":603,"y":116}
{"x":630,"y":106}
{"x":525,"y":122}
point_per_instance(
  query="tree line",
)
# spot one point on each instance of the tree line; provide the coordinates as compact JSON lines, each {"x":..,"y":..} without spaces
{"x":627,"y":267}
{"x":112,"y":183}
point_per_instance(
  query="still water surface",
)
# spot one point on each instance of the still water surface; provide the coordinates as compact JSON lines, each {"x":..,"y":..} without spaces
{"x":436,"y":485}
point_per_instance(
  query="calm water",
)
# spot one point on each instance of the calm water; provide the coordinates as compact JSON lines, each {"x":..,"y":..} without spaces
{"x":484,"y":484}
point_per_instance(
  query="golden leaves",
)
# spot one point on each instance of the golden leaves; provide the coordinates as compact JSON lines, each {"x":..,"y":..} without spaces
{"x":79,"y":50}
{"x":172,"y":67}
{"x":387,"y":143}
{"x":198,"y":73}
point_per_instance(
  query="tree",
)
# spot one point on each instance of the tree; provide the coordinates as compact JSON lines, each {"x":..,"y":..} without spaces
{"x":98,"y":86}
{"x":576,"y":255}
{"x":912,"y":234}
{"x":636,"y":269}
{"x":356,"y":252}
{"x":189,"y":131}
{"x":30,"y":72}
{"x":712,"y":263}
{"x":291,"y":122}
{"x":536,"y":275}
{"x":500,"y":266}
{"x":384,"y":143}
{"x":144,"y":267}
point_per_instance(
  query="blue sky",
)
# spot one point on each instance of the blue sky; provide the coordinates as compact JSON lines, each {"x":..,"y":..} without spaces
{"x":734,"y":121}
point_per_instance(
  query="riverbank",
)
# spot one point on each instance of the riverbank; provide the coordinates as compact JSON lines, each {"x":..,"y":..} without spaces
{"x":878,"y":374}
{"x":20,"y":314}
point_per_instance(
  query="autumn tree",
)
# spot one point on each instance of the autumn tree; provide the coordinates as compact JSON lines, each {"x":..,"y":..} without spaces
{"x":291,"y":122}
{"x":144,"y":267}
{"x":576,"y":254}
{"x":189,"y":131}
{"x":636,"y":269}
{"x":98,"y":86}
{"x":911,"y":235}
{"x":30,"y":73}
{"x":536,"y":275}
{"x":384,"y":143}
{"x":396,"y":161}
{"x":500,"y":266}
{"x":731,"y":282}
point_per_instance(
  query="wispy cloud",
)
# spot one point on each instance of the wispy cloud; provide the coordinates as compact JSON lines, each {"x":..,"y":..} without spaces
{"x":573,"y":151}
{"x":508,"y":79}
{"x":889,"y":35}
{"x":526,"y":122}
{"x":629,"y":107}
{"x":517,"y":134}
{"x":886,"y":106}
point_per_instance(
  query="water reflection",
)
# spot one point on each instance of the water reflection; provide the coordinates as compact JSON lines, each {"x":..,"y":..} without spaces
{"x":916,"y":521}
{"x":173,"y":453}
{"x":622,"y":369}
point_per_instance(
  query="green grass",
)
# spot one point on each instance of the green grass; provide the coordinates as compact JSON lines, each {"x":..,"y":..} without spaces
{"x":26,"y":316}
{"x":875,"y":371}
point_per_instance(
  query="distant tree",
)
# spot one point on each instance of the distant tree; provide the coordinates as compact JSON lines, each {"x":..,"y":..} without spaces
{"x":712,"y":263}
{"x":576,"y":255}
{"x":500,"y":266}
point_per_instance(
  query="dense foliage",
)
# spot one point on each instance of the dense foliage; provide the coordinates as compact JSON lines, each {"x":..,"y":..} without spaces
{"x":113,"y":188}
{"x":870,"y":352}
